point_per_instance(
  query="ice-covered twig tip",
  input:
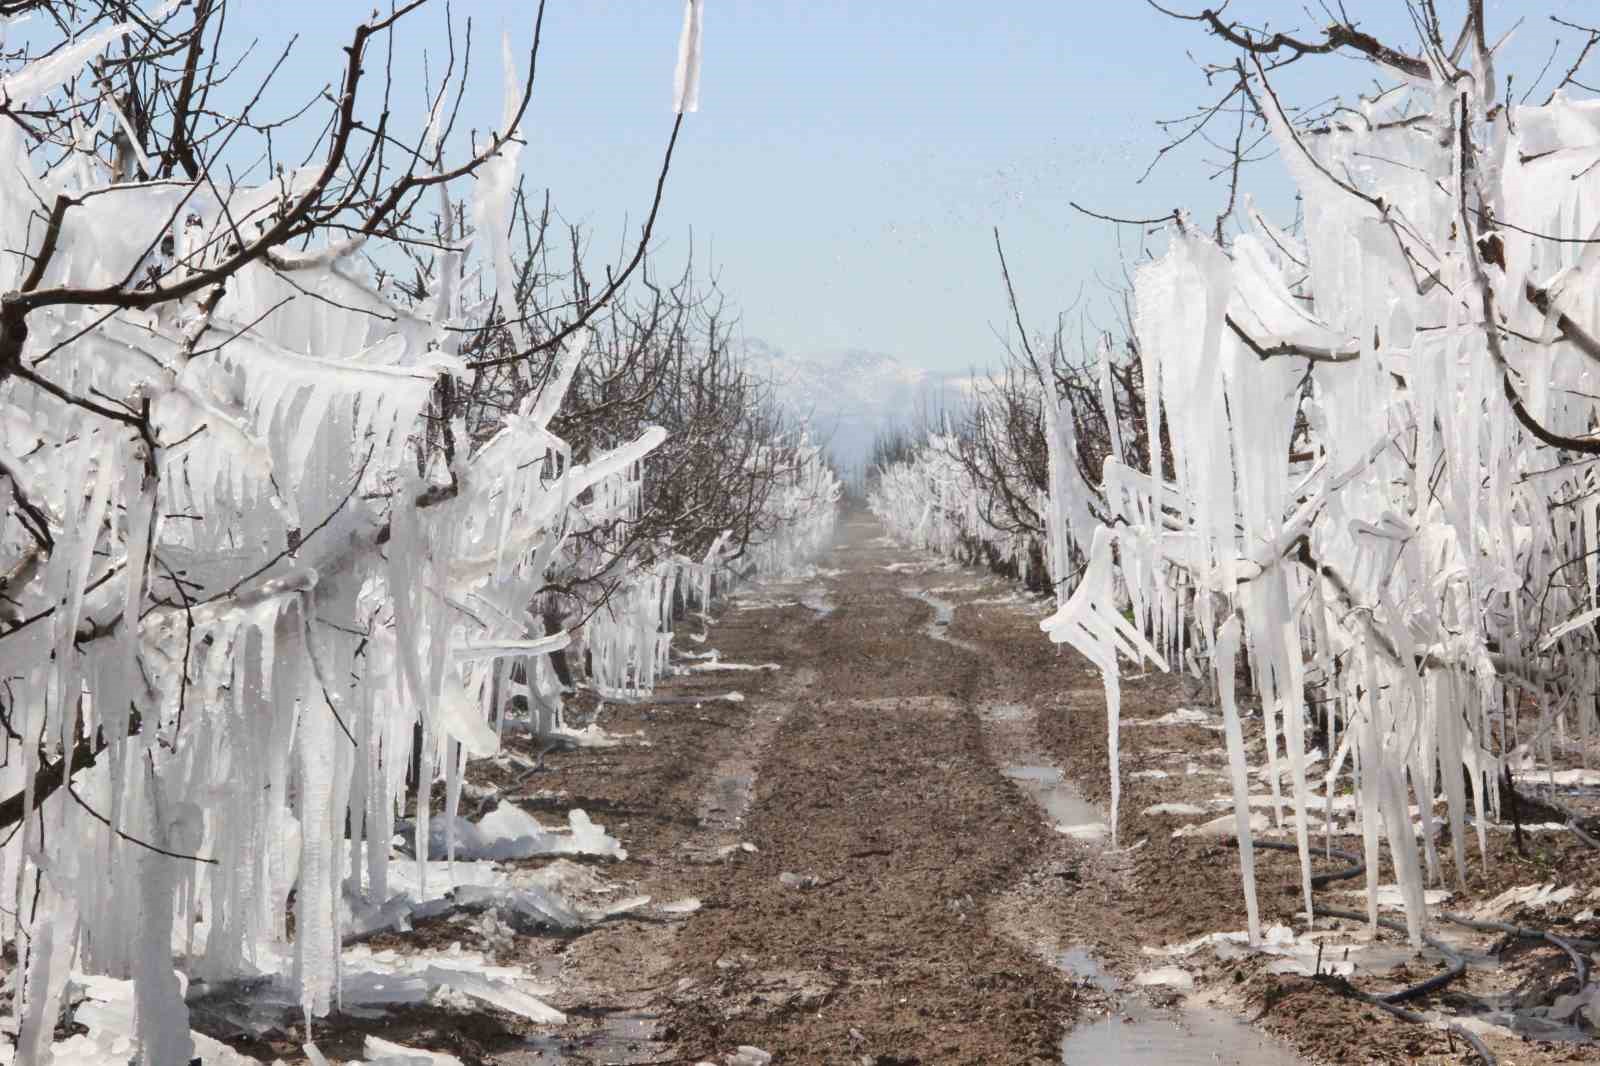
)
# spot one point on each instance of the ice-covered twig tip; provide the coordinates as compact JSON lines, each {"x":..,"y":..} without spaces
{"x":686,"y":84}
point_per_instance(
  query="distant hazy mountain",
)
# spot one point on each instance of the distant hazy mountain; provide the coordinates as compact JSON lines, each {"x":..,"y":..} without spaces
{"x":849,"y":397}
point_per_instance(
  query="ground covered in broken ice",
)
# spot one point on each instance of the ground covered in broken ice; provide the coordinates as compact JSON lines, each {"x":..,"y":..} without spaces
{"x":866,"y":823}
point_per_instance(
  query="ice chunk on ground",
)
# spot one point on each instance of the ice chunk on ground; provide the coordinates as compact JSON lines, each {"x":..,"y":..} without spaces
{"x":499,"y":994}
{"x":1085,"y":831}
{"x":1526,"y":896}
{"x":509,"y":832}
{"x":687,"y":905}
{"x":107,"y":1012}
{"x":1174,"y":808}
{"x":380,"y":1052}
{"x":562,"y":895}
{"x":747,"y":1055}
{"x":1224,"y":828}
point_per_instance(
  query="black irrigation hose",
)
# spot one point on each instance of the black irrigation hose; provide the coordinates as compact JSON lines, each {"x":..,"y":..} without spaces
{"x":1572,"y":820}
{"x":1458,"y":962}
{"x":1477,"y":1045}
{"x":1319,"y":880}
{"x":1573,"y":946}
{"x":1391,"y":1002}
{"x":1572,"y":953}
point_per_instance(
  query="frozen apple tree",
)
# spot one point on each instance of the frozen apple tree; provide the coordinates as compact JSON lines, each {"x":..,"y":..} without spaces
{"x":1371,"y":457}
{"x":267,"y":545}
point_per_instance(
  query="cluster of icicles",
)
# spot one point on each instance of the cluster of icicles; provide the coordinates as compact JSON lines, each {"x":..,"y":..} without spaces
{"x":931,"y":501}
{"x":1352,"y":500}
{"x":236,"y":648}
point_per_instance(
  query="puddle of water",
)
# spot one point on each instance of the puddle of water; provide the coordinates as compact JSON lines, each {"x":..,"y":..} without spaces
{"x":817,"y":600}
{"x":1006,"y":712}
{"x":1532,"y":1024}
{"x":944,"y":613}
{"x":724,"y":808}
{"x":624,"y":1038}
{"x":1145,"y":1037}
{"x":1078,"y":963}
{"x":1066,"y":808}
{"x":1040,"y":775}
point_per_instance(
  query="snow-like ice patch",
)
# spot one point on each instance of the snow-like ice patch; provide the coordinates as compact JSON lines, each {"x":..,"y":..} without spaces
{"x":1563,"y":778}
{"x":687,"y":905}
{"x":748,"y":1055}
{"x":509,"y":832}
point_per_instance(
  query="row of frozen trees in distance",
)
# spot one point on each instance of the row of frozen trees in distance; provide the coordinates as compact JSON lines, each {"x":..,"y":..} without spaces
{"x":1355,"y":449}
{"x":974,"y":481}
{"x":304,"y":460}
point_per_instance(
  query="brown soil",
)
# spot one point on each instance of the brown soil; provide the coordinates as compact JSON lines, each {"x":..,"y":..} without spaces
{"x":898,"y":900}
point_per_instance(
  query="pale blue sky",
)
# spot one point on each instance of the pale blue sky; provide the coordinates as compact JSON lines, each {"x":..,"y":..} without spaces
{"x":850,"y":157}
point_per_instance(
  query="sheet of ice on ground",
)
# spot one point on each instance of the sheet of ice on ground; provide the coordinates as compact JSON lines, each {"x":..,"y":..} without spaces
{"x":374,"y":982}
{"x":713,"y":663}
{"x":1339,"y":952}
{"x":561,"y":896}
{"x":1391,"y":897}
{"x":1181,"y":716}
{"x":545,"y":908}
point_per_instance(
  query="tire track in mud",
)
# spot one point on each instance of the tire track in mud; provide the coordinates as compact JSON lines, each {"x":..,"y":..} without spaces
{"x":725,"y":802}
{"x":1127,"y":1028}
{"x":856,"y":931}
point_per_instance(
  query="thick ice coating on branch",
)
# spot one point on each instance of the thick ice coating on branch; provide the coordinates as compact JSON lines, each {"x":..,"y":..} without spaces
{"x":686,"y":80}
